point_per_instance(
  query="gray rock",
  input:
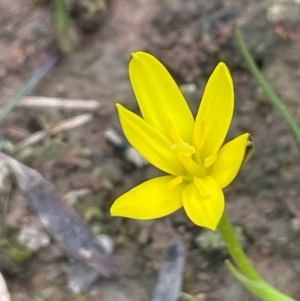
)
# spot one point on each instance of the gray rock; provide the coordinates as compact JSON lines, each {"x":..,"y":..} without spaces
{"x":169,"y":282}
{"x":32,"y":238}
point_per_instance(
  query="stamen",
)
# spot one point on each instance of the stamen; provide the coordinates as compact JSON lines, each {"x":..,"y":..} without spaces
{"x":192,"y":167}
{"x":200,"y":135}
{"x":209,"y":161}
{"x":174,"y":182}
{"x":201,"y":187}
{"x":184,"y":152}
{"x":174,"y":132}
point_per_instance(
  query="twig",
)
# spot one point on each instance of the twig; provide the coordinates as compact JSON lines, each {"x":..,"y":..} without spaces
{"x":77,"y":193}
{"x":14,"y":131}
{"x":61,"y":103}
{"x":65,"y":125}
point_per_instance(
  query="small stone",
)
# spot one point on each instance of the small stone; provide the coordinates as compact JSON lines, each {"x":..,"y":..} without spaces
{"x":81,"y":277}
{"x":132,"y":156}
{"x":4,"y":176}
{"x":296,"y":224}
{"x":185,"y":297}
{"x":32,"y":238}
{"x":106,"y":243}
{"x":118,"y":140}
{"x":4,"y":294}
{"x":209,"y":240}
{"x":201,"y":297}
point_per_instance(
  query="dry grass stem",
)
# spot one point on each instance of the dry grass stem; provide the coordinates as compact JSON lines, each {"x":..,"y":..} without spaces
{"x":61,"y":103}
{"x":65,"y":125}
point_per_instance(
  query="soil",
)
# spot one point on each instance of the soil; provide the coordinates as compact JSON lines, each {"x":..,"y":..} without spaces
{"x":190,"y":37}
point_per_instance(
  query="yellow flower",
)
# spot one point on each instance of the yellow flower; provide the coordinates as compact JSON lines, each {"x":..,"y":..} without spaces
{"x":189,"y":150}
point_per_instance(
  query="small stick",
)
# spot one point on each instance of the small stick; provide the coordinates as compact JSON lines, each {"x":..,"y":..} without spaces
{"x":65,"y":125}
{"x":61,"y":103}
{"x":77,"y":193}
{"x":14,"y":131}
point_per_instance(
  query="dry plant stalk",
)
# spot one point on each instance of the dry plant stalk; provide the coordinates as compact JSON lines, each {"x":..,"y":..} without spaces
{"x":65,"y":125}
{"x":60,"y":103}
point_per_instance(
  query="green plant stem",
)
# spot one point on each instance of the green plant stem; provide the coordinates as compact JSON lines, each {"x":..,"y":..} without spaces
{"x":235,"y":249}
{"x":67,"y":35}
{"x":246,"y":273}
{"x":274,"y":98}
{"x":32,"y":82}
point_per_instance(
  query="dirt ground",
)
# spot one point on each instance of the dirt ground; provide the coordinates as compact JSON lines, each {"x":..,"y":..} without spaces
{"x":190,"y":37}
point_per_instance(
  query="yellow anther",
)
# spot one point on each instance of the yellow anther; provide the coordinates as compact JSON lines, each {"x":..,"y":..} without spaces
{"x":201,"y":187}
{"x":209,"y":161}
{"x":199,"y":139}
{"x":174,"y":182}
{"x":174,"y":132}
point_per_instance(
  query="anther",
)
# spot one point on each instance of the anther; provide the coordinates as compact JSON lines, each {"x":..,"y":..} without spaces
{"x":174,"y":132}
{"x":200,"y":135}
{"x":201,"y":187}
{"x":174,"y":182}
{"x":209,"y":161}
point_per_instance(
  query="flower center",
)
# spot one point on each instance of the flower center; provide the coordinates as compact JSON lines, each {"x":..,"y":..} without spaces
{"x":184,"y":152}
{"x":191,"y":158}
{"x":183,"y":149}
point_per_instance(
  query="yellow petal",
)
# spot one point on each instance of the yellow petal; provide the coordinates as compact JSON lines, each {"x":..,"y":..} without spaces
{"x":150,"y":143}
{"x":215,"y":112}
{"x":159,"y":97}
{"x":150,"y":199}
{"x":204,"y":211}
{"x":230,"y":159}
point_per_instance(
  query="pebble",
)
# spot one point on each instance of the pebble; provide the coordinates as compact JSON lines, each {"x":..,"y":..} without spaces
{"x":209,"y":240}
{"x":4,"y":294}
{"x":32,"y":238}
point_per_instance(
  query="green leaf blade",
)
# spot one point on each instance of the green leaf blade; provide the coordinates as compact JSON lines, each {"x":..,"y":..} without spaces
{"x":259,"y":288}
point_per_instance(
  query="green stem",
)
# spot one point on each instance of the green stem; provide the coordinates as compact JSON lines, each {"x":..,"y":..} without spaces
{"x":67,"y":35}
{"x":33,"y":81}
{"x":274,"y":98}
{"x":246,"y":273}
{"x":235,"y":249}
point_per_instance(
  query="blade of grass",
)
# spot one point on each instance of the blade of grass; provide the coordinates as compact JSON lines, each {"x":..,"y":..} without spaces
{"x":273,"y":97}
{"x":32,"y":82}
{"x":67,"y":35}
